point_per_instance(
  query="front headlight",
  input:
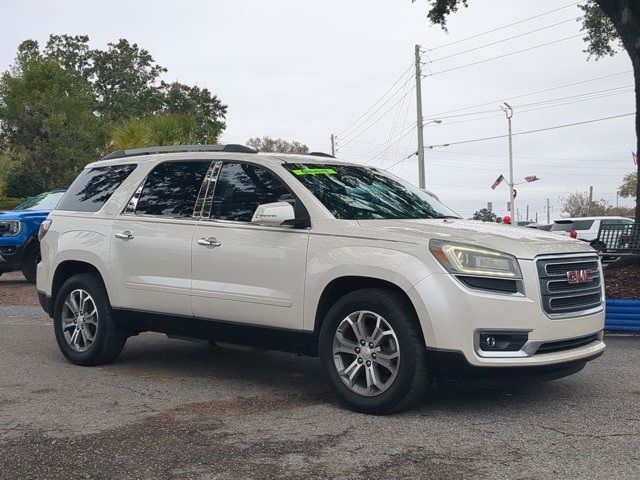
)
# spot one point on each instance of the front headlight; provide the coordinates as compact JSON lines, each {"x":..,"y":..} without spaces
{"x":10,"y":228}
{"x":470,"y":260}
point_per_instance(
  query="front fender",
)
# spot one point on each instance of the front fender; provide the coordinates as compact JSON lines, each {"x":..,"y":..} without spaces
{"x":401,"y":264}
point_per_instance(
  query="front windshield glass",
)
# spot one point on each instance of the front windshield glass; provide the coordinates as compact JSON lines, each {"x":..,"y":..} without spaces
{"x":44,"y":201}
{"x":359,"y":193}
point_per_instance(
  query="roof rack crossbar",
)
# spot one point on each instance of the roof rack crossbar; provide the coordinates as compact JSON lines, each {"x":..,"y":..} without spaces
{"x":231,"y":147}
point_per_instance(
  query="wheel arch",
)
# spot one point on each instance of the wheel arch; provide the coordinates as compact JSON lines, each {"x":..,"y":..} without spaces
{"x":343,"y":285}
{"x":68,"y":268}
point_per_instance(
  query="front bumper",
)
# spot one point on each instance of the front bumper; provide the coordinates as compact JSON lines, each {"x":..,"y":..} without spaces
{"x":453,"y":367}
{"x":453,"y":315}
{"x":11,"y":256}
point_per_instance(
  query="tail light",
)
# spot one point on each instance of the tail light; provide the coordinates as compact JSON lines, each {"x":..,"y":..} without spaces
{"x":44,"y":228}
{"x":573,"y":234}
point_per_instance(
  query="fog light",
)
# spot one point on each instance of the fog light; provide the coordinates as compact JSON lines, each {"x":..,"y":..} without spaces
{"x":502,"y":341}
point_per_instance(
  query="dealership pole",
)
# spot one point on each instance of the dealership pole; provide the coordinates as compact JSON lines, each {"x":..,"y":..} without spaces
{"x":421,"y":173}
{"x":509,"y":113}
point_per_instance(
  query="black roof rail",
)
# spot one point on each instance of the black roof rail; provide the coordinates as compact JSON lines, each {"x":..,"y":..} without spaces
{"x":231,"y":147}
{"x":321,"y":154}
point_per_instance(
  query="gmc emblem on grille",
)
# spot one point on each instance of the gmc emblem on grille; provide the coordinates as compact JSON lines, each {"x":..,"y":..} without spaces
{"x":579,"y":276}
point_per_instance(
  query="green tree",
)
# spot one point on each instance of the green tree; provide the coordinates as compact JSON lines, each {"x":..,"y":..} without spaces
{"x":23,"y":181}
{"x":124,"y":78}
{"x":609,"y":25}
{"x":629,"y":187}
{"x":205,"y":108}
{"x":485,"y":215}
{"x":47,"y":120}
{"x":169,"y":129}
{"x":276,"y":145}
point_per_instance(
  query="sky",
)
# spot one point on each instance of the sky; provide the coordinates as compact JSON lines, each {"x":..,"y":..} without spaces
{"x":305,"y":70}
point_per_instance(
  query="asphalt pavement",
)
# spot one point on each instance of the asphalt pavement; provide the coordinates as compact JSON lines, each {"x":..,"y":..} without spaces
{"x":176,"y":409}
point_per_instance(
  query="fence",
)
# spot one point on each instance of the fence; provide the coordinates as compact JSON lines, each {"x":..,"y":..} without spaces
{"x":616,"y":239}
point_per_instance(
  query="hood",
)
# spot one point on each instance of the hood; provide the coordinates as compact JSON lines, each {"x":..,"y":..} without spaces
{"x":518,"y":241}
{"x":22,"y":214}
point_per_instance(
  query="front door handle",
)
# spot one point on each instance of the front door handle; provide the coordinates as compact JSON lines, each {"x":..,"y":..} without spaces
{"x":209,"y":242}
{"x":126,"y":235}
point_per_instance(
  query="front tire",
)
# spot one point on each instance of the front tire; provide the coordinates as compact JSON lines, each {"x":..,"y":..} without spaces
{"x":84,"y":327}
{"x":373,"y":352}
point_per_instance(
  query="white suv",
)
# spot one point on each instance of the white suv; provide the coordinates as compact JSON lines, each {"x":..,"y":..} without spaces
{"x":307,"y":254}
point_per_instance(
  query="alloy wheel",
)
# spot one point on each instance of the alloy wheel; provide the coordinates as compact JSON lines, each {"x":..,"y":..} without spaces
{"x":79,"y":320}
{"x":366,"y":353}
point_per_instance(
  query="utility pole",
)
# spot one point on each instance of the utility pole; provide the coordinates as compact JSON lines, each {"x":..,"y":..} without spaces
{"x":590,"y":200}
{"x":333,"y":145}
{"x":420,"y":125}
{"x":536,"y":217}
{"x":548,"y":211}
{"x":508,"y":111}
{"x":527,"y":219}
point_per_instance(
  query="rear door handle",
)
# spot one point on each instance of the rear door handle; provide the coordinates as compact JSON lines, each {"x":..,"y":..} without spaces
{"x":209,"y":242}
{"x":126,"y":235}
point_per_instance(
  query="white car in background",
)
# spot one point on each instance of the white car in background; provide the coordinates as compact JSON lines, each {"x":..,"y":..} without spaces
{"x":586,"y":228}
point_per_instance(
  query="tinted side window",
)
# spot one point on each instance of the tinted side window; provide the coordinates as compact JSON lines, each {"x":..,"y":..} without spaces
{"x":582,"y":224}
{"x":171,"y":189}
{"x":241,"y":187}
{"x":93,"y":187}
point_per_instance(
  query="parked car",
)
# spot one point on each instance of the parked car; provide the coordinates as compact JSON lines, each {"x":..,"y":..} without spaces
{"x":388,"y":286}
{"x":541,"y":226}
{"x":587,"y":228}
{"x":19,"y":245}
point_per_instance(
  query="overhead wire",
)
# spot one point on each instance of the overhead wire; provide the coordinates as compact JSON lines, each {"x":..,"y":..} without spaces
{"x":502,"y":27}
{"x":532,"y":131}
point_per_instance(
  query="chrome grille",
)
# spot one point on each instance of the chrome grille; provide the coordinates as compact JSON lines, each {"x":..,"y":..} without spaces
{"x":561,"y":297}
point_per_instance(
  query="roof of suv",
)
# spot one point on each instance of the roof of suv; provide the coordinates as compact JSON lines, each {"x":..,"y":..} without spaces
{"x":191,"y":152}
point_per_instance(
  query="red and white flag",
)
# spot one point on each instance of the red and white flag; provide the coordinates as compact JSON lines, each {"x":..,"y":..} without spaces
{"x":531,"y":178}
{"x":497,"y":182}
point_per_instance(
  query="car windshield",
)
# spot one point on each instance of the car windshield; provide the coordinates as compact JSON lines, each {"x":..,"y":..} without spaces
{"x":44,"y":201}
{"x":353,"y":193}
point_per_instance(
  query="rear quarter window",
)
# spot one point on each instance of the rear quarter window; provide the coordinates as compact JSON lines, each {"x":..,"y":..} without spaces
{"x":567,"y":226}
{"x":93,"y":187}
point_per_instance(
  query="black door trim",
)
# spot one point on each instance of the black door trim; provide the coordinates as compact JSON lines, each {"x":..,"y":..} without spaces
{"x":285,"y":340}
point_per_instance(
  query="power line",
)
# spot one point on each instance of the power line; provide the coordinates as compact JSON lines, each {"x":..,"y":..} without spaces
{"x":354,"y":135}
{"x":558,"y":87}
{"x":544,"y":105}
{"x":529,"y":157}
{"x":377,"y":101}
{"x":503,"y":27}
{"x":533,"y":131}
{"x":505,"y":55}
{"x":503,"y":40}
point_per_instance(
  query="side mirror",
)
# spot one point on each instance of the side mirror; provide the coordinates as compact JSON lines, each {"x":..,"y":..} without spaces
{"x":273,"y":214}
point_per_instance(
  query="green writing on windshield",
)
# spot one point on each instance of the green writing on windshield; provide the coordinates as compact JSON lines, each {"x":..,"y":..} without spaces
{"x":314,"y":171}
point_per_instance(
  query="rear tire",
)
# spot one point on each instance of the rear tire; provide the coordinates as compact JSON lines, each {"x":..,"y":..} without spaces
{"x":30,"y":263}
{"x":374,"y":388}
{"x":84,"y":327}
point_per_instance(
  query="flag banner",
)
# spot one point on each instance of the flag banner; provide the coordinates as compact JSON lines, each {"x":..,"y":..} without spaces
{"x":531,"y":178}
{"x":498,"y":181}
{"x":635,"y":158}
